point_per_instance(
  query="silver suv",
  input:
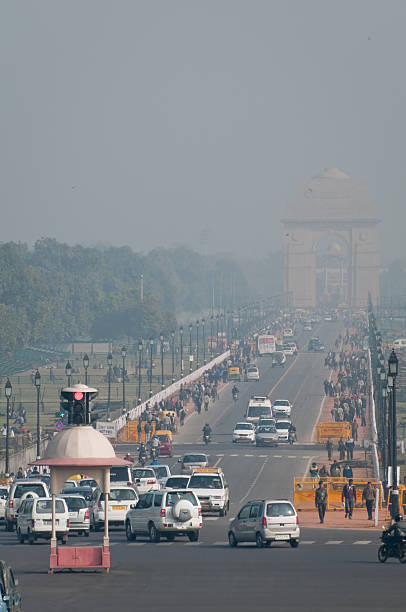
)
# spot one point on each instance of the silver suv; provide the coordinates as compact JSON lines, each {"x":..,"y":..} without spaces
{"x":21,"y":490}
{"x":165,"y":513}
{"x":265,"y":521}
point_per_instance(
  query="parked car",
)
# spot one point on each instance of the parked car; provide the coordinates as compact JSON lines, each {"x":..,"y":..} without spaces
{"x":79,"y":517}
{"x":192,"y":461}
{"x":10,"y":597}
{"x":165,"y":513}
{"x":266,"y":435}
{"x":34,"y":519}
{"x":19,"y":491}
{"x":265,"y":521}
{"x":120,"y":499}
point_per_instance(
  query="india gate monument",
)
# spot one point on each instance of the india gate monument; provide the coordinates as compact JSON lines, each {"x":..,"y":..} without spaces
{"x":331,"y":243}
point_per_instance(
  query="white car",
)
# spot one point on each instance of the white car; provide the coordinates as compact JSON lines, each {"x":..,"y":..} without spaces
{"x":252,"y":373}
{"x":244,"y":432}
{"x":281,"y":408}
{"x":282,"y":427}
{"x":176,"y":481}
{"x":34,"y":519}
{"x":145,"y":480}
{"x":165,"y":513}
{"x":3,"y":500}
{"x":211,"y":487}
{"x":290,"y":348}
{"x":190,"y":462}
{"x":120,"y":499}
{"x":288,"y":333}
{"x":19,"y":491}
{"x":162,"y":472}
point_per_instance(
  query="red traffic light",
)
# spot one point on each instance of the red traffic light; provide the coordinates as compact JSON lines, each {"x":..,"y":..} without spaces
{"x":78,"y":395}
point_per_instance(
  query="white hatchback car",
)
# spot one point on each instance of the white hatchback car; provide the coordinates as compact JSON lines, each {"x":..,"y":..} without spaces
{"x":165,"y":513}
{"x":244,"y":432}
{"x":252,"y":373}
{"x":34,"y":519}
{"x":281,"y":408}
{"x":120,"y":500}
{"x":282,"y":427}
{"x":145,"y":480}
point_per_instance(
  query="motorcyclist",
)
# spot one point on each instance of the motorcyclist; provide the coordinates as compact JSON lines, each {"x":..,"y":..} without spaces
{"x":397,"y":531}
{"x":128,"y":457}
{"x":292,"y":436}
{"x":206,"y":430}
{"x":142,"y":453}
{"x":235,"y":391}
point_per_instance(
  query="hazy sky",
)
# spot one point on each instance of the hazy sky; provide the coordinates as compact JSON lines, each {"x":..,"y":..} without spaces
{"x":179,"y":121}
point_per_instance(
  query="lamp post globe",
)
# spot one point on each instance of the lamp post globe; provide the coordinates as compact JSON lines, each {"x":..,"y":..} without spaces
{"x":86,"y":365}
{"x":68,"y":372}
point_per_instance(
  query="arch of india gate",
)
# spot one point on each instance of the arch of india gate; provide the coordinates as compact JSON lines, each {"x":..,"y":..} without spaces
{"x":331,"y":244}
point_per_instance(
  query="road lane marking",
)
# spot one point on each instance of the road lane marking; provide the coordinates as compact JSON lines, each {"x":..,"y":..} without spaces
{"x":249,"y":455}
{"x":220,"y":543}
{"x":234,"y":455}
{"x":220,"y":455}
{"x":334,"y":542}
{"x":211,"y":518}
{"x":254,"y":481}
{"x":137,"y":544}
{"x":307,"y":542}
{"x":306,"y":457}
{"x":277,"y":456}
{"x":262,"y":456}
{"x":218,"y":461}
{"x":193,"y":543}
{"x":362,"y":542}
{"x":292,"y":457}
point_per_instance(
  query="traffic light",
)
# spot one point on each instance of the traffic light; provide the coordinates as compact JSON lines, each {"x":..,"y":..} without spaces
{"x":76,"y":404}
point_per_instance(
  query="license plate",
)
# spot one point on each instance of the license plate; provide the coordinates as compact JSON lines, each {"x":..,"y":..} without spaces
{"x":243,"y":436}
{"x":118,"y":507}
{"x":281,"y":536}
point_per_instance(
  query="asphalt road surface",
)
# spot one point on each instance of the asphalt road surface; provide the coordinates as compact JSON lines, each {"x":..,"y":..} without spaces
{"x":331,"y":569}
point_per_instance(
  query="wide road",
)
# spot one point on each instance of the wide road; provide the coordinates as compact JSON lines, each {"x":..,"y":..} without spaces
{"x":331,"y":570}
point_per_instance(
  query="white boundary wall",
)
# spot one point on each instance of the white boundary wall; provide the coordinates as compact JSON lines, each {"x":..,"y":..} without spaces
{"x":374,"y":431}
{"x":112,"y":427}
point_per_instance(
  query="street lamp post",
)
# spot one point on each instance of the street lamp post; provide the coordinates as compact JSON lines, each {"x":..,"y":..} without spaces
{"x":8,"y":389}
{"x":385,"y":457}
{"x":86,"y":365}
{"x":37,"y":381}
{"x":190,"y":348}
{"x":204,"y":340}
{"x":181,"y":351}
{"x":140,"y":347}
{"x":392,"y":373}
{"x":68,"y":372}
{"x":197,"y":344}
{"x":211,"y":336}
{"x":161,"y":338}
{"x":173,"y":355}
{"x":109,"y":363}
{"x":123,"y":355}
{"x":151,"y":344}
{"x":217,"y":333}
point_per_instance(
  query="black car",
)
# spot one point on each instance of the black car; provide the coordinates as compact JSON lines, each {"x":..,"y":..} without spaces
{"x":315,"y":345}
{"x":8,"y":588}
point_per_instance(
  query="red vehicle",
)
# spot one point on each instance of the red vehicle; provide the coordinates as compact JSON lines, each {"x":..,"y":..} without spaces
{"x":165,"y":448}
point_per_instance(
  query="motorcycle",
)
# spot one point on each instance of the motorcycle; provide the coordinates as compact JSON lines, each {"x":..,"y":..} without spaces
{"x":235,"y":395}
{"x":206,"y":438}
{"x":142,"y":458}
{"x":390,"y":548}
{"x":292,"y":437}
{"x":154,"y":453}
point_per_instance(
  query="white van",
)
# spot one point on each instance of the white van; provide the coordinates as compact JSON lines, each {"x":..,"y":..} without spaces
{"x":258,"y":407}
{"x":252,"y":373}
{"x":34,"y":519}
{"x":399,"y":344}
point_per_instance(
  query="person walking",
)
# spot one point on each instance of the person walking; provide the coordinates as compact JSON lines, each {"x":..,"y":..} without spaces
{"x":329,"y":448}
{"x":369,"y":496}
{"x":147,"y":430}
{"x":320,"y":500}
{"x":349,"y":446}
{"x":341,"y":449}
{"x":354,"y":430}
{"x":349,"y":497}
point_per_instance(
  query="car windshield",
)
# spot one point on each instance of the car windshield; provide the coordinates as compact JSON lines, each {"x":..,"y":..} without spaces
{"x":75,"y":503}
{"x":194,"y":459}
{"x":141,"y":473}
{"x":177,"y":481}
{"x":84,"y":492}
{"x":161,"y":472}
{"x":205,"y":482}
{"x":282,"y":425}
{"x":120,"y":495}
{"x":175,"y":496}
{"x":88,"y":483}
{"x":119,"y":474}
{"x":266,"y":429}
{"x":280,"y":509}
{"x":38,"y":489}
{"x":244,"y":426}
{"x":3,"y":493}
{"x":281,"y":403}
{"x":258,"y":411}
{"x":252,"y":370}
{"x":44,"y":506}
{"x":163,"y":437}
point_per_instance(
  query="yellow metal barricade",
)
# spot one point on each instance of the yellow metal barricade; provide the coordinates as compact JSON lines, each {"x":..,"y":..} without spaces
{"x":130,"y":432}
{"x":305,"y":488}
{"x":334,"y":431}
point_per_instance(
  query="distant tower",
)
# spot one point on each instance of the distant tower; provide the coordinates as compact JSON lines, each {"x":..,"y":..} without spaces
{"x":331,"y":243}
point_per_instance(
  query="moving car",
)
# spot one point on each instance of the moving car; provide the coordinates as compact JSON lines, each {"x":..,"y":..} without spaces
{"x":165,"y":442}
{"x":281,"y":408}
{"x":190,"y":462}
{"x":121,"y":475}
{"x":145,"y":480}
{"x":85,"y":492}
{"x":315,"y":345}
{"x":290,"y":348}
{"x":120,"y":499}
{"x":282,"y":427}
{"x":176,"y":481}
{"x":266,"y":435}
{"x":211,"y":487}
{"x":265,"y":521}
{"x":162,"y":471}
{"x":34,"y":519}
{"x":19,"y":491}
{"x":79,"y":517}
{"x":288,"y":333}
{"x":252,"y":373}
{"x":88,"y":482}
{"x":266,"y":422}
{"x":244,"y":432}
{"x":258,"y":406}
{"x":278,"y":359}
{"x":165,"y":513}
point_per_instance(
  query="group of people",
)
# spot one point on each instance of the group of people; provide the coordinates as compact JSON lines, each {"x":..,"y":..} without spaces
{"x":348,"y":498}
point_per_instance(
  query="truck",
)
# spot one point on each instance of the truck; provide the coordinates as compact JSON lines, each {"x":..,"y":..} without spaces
{"x":266,"y":344}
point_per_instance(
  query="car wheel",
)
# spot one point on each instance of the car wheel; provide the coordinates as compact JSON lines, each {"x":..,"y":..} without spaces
{"x":31,"y":538}
{"x":64,"y":539}
{"x":129,"y":532}
{"x":268,"y":544}
{"x":21,"y":538}
{"x":170,"y":537}
{"x":86,"y":534}
{"x":223,"y":512}
{"x":232,"y":540}
{"x":9,"y":526}
{"x":154,"y":535}
{"x":294,"y":543}
{"x":193,"y":536}
{"x":258,"y":540}
{"x":96,"y":526}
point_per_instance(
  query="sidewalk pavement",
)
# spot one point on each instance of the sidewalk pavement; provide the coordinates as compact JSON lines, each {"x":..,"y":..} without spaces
{"x":335,"y":519}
